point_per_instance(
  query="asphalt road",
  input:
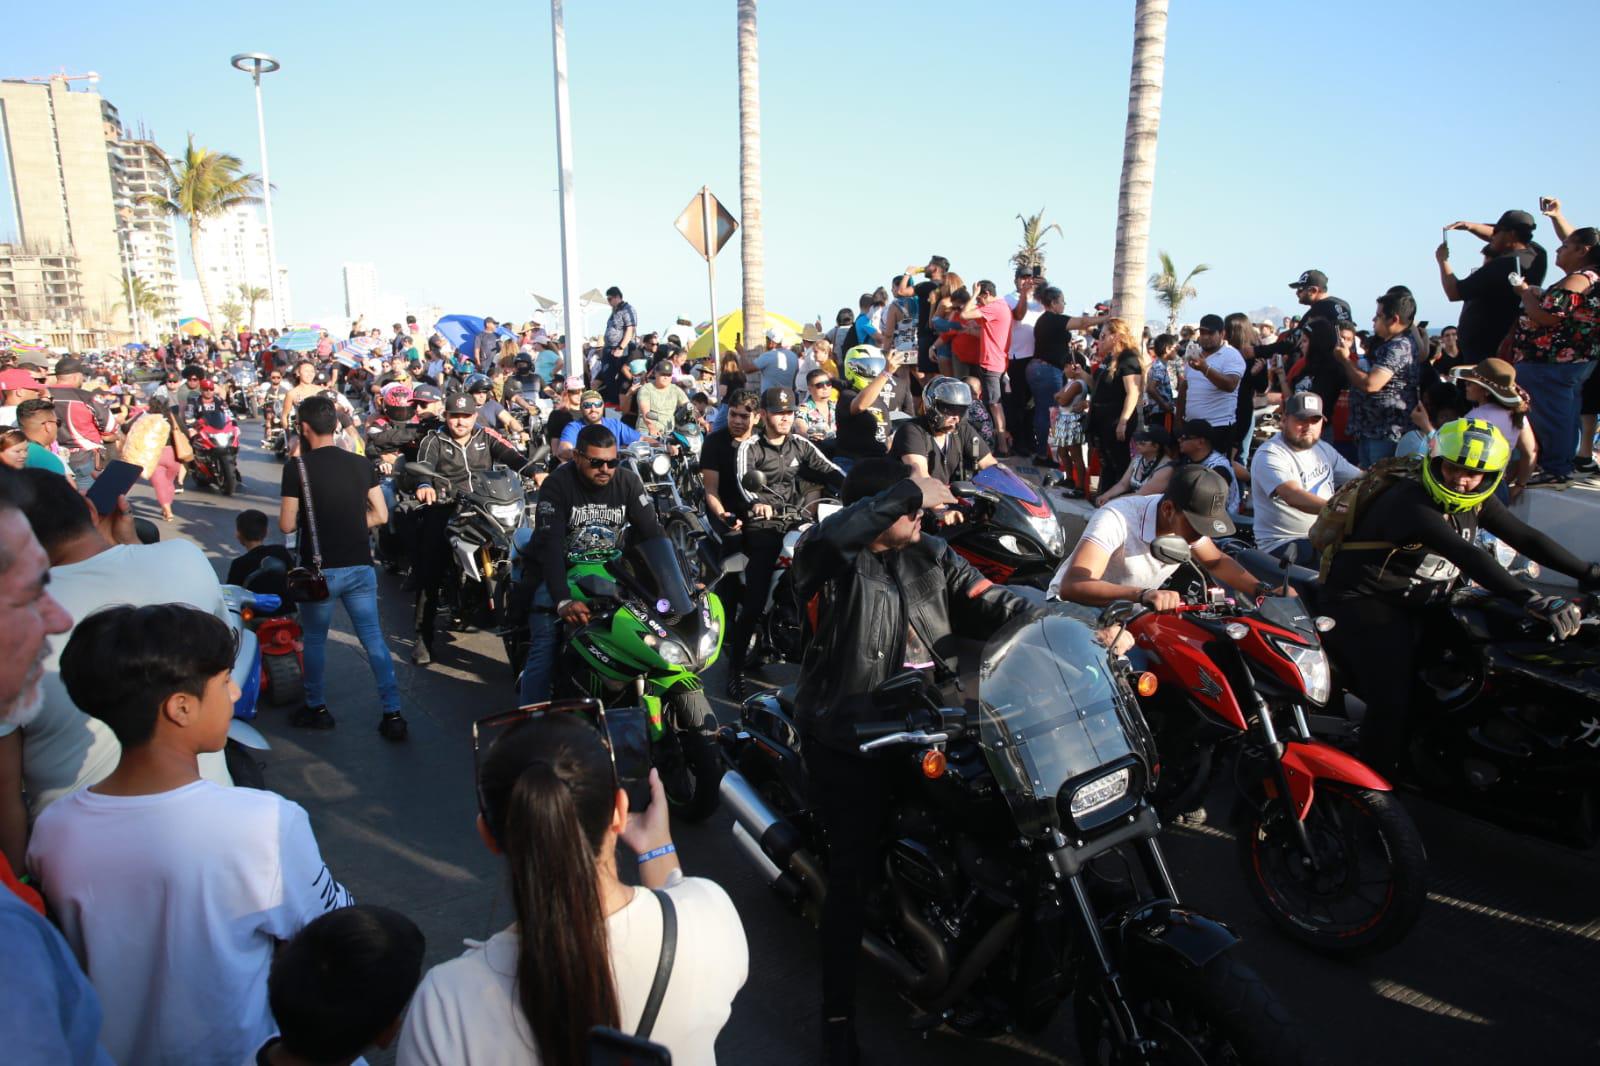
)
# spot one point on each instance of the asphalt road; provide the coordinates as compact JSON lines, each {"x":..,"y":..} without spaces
{"x":1504,"y":965}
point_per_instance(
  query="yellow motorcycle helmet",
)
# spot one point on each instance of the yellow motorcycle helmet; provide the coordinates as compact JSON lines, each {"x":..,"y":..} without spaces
{"x":1476,"y":445}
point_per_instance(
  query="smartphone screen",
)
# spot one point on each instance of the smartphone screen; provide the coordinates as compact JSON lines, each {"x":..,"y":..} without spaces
{"x":629,"y":730}
{"x":114,"y":481}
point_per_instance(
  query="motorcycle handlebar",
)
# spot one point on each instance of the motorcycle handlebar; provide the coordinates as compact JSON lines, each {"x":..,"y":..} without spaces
{"x":866,"y":731}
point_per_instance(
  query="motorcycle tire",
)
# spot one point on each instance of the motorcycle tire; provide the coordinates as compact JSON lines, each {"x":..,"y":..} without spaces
{"x":1344,"y":823}
{"x":246,"y":770}
{"x":1222,"y":1012}
{"x":692,"y":786}
{"x":285,"y":679}
{"x":229,"y":480}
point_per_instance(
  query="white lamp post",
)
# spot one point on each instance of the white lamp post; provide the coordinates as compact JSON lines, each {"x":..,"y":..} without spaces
{"x":256,"y":64}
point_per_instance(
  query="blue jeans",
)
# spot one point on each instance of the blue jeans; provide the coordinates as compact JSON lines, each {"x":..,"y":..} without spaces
{"x":1044,"y":381}
{"x":1369,"y":451}
{"x":544,"y":636}
{"x":357,"y":588}
{"x":1556,"y":390}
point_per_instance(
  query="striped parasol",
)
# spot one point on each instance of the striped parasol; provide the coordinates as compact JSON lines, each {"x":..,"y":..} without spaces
{"x":298,"y":340}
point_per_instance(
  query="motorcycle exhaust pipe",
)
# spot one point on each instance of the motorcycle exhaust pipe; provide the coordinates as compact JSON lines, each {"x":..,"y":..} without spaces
{"x":770,"y":836}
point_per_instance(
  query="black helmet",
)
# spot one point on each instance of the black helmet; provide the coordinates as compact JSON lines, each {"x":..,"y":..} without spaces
{"x":523,"y":361}
{"x":477,"y":383}
{"x":941,"y":395}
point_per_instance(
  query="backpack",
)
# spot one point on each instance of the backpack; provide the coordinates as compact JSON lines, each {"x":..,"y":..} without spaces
{"x":1341,"y":513}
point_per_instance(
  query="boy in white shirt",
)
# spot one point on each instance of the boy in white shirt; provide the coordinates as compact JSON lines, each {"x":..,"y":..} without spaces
{"x":173,"y":891}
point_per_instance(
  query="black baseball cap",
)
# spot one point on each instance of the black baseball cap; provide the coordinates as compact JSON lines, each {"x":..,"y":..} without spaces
{"x":427,"y":393}
{"x":1304,"y":405}
{"x":1213,"y":323}
{"x":777,"y":401}
{"x":1195,"y":427}
{"x":1154,"y":435}
{"x":1202,"y":496}
{"x":1310,"y":277}
{"x":68,"y":364}
{"x":1517,"y":219}
{"x":460,"y":403}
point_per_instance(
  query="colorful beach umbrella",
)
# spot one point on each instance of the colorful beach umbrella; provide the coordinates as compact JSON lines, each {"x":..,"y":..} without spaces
{"x":298,"y":340}
{"x":730,"y":332}
{"x":194,"y":327}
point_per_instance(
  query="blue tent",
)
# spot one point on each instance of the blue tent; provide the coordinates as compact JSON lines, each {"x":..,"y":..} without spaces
{"x":462,"y":331}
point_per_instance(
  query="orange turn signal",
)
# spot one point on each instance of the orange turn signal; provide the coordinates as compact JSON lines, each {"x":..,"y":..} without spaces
{"x":1146,"y":684}
{"x":933,"y":763}
{"x":247,"y":614}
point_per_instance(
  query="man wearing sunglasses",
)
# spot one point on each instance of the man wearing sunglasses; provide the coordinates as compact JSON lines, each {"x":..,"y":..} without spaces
{"x":589,"y":491}
{"x":457,"y":450}
{"x":592,"y":412}
{"x":943,"y":444}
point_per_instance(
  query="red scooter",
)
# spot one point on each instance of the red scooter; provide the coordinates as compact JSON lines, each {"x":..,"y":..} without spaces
{"x":1328,"y":852}
{"x":283,"y":664}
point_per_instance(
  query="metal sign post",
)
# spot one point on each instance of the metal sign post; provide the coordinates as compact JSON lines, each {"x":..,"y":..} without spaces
{"x":707,"y":225}
{"x":569,"y":220}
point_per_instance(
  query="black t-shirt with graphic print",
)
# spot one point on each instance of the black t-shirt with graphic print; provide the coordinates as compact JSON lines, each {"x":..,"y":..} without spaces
{"x":569,"y":504}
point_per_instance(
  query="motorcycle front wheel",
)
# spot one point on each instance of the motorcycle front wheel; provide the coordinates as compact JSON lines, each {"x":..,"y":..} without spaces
{"x":691,"y":769}
{"x":1219,"y":1013}
{"x":230,"y":475}
{"x":1367,"y":887}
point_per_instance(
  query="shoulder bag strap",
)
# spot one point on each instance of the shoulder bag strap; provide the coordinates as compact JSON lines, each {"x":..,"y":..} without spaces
{"x":669,"y":952}
{"x":311,"y":515}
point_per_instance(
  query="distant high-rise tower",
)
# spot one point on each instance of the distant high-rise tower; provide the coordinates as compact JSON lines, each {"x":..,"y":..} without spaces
{"x":361,"y":296}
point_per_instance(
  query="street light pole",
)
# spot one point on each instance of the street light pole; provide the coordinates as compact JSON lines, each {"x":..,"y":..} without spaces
{"x":569,"y":219}
{"x":256,"y":64}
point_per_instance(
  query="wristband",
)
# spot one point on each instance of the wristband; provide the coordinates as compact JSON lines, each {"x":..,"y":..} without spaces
{"x":656,"y":853}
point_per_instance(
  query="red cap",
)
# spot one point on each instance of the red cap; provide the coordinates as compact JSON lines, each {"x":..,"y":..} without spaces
{"x":16,"y":378}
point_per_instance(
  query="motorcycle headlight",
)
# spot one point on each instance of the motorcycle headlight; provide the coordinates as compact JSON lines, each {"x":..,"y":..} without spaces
{"x":507,"y":514}
{"x":1311,"y":663}
{"x":661,"y":465}
{"x":1048,"y":529}
{"x":222,"y":440}
{"x":671,"y":651}
{"x":708,"y":641}
{"x":1100,"y":792}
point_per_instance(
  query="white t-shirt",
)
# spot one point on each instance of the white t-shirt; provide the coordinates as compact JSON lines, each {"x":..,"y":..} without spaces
{"x":8,"y":415}
{"x":174,"y":904}
{"x":1206,"y":401}
{"x":63,"y":749}
{"x":1124,"y":528}
{"x":1319,"y":470}
{"x":466,"y":1010}
{"x":777,"y":369}
{"x":1022,"y":329}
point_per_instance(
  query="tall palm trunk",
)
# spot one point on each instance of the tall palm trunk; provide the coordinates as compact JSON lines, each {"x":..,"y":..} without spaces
{"x":199,"y":270}
{"x":1128,"y":276}
{"x":752,"y":248}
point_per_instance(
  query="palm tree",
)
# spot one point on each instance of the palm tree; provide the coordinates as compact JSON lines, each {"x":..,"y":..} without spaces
{"x":1031,"y":253}
{"x":1172,"y":292}
{"x":752,"y":249}
{"x":147,"y":302}
{"x":252,"y":295}
{"x":203,"y":186}
{"x":232,"y":315}
{"x":1139,"y":160}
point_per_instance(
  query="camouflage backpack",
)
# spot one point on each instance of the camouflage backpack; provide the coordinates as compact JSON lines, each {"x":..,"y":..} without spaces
{"x":1330,"y":532}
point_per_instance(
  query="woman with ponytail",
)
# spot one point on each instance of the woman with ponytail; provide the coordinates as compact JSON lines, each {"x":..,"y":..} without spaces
{"x":585,"y":947}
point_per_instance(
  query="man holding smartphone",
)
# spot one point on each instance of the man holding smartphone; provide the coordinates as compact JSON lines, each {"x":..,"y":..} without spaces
{"x":1489,"y":305}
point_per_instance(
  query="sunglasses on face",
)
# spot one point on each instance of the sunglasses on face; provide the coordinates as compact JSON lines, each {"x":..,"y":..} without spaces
{"x":596,"y":463}
{"x":950,"y":410}
{"x":592,"y":406}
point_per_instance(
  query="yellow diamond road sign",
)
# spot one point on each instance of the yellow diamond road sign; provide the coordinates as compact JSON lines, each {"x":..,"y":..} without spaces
{"x":691,"y":223}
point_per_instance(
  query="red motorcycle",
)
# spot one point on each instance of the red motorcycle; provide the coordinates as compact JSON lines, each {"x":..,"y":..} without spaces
{"x":277,"y":629}
{"x":1328,"y":851}
{"x":216,"y":449}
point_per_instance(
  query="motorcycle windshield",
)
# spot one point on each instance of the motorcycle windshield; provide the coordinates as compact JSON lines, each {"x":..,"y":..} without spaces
{"x":1002,"y":479}
{"x":1050,"y":711}
{"x":499,"y":485}
{"x":217,"y":419}
{"x":651,"y":569}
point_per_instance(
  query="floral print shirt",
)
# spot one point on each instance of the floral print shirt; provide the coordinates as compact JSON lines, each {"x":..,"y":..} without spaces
{"x":1574,"y":339}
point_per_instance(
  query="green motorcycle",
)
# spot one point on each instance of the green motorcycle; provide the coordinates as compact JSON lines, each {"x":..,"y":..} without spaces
{"x":648,"y":638}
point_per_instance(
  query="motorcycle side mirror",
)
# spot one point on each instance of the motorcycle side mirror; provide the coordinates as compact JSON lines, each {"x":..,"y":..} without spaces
{"x":966,"y":490}
{"x":899,"y":689}
{"x":420,"y":469}
{"x":1171,"y":548}
{"x":1119,"y":613}
{"x":597,"y":587}
{"x":754,"y":481}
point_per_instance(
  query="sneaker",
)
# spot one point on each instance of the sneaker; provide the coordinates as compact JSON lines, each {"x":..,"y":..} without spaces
{"x":738,"y":688}
{"x":420,"y":655}
{"x":392,"y":726}
{"x":1586,"y":466}
{"x":306,"y":717}
{"x":1196,"y":817}
{"x":1543,"y":479}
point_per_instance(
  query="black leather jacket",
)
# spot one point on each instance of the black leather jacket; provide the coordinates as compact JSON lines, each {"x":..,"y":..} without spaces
{"x":455,"y":462}
{"x":863,"y":601}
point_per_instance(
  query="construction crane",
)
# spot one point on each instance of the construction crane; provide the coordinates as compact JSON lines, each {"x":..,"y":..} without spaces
{"x":92,"y":78}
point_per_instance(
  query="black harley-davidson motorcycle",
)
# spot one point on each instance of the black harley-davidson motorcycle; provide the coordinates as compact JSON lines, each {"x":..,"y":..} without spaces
{"x":1021,"y":866}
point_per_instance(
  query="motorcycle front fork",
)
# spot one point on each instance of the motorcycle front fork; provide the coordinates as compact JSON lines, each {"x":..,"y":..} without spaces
{"x":1108,"y":972}
{"x":1280,"y":778}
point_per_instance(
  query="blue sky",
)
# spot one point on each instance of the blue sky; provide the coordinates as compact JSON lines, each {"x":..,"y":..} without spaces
{"x":421,"y":137}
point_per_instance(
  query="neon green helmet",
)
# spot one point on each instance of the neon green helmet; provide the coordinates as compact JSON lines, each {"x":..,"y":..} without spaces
{"x":1475,"y":445}
{"x":863,"y":363}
